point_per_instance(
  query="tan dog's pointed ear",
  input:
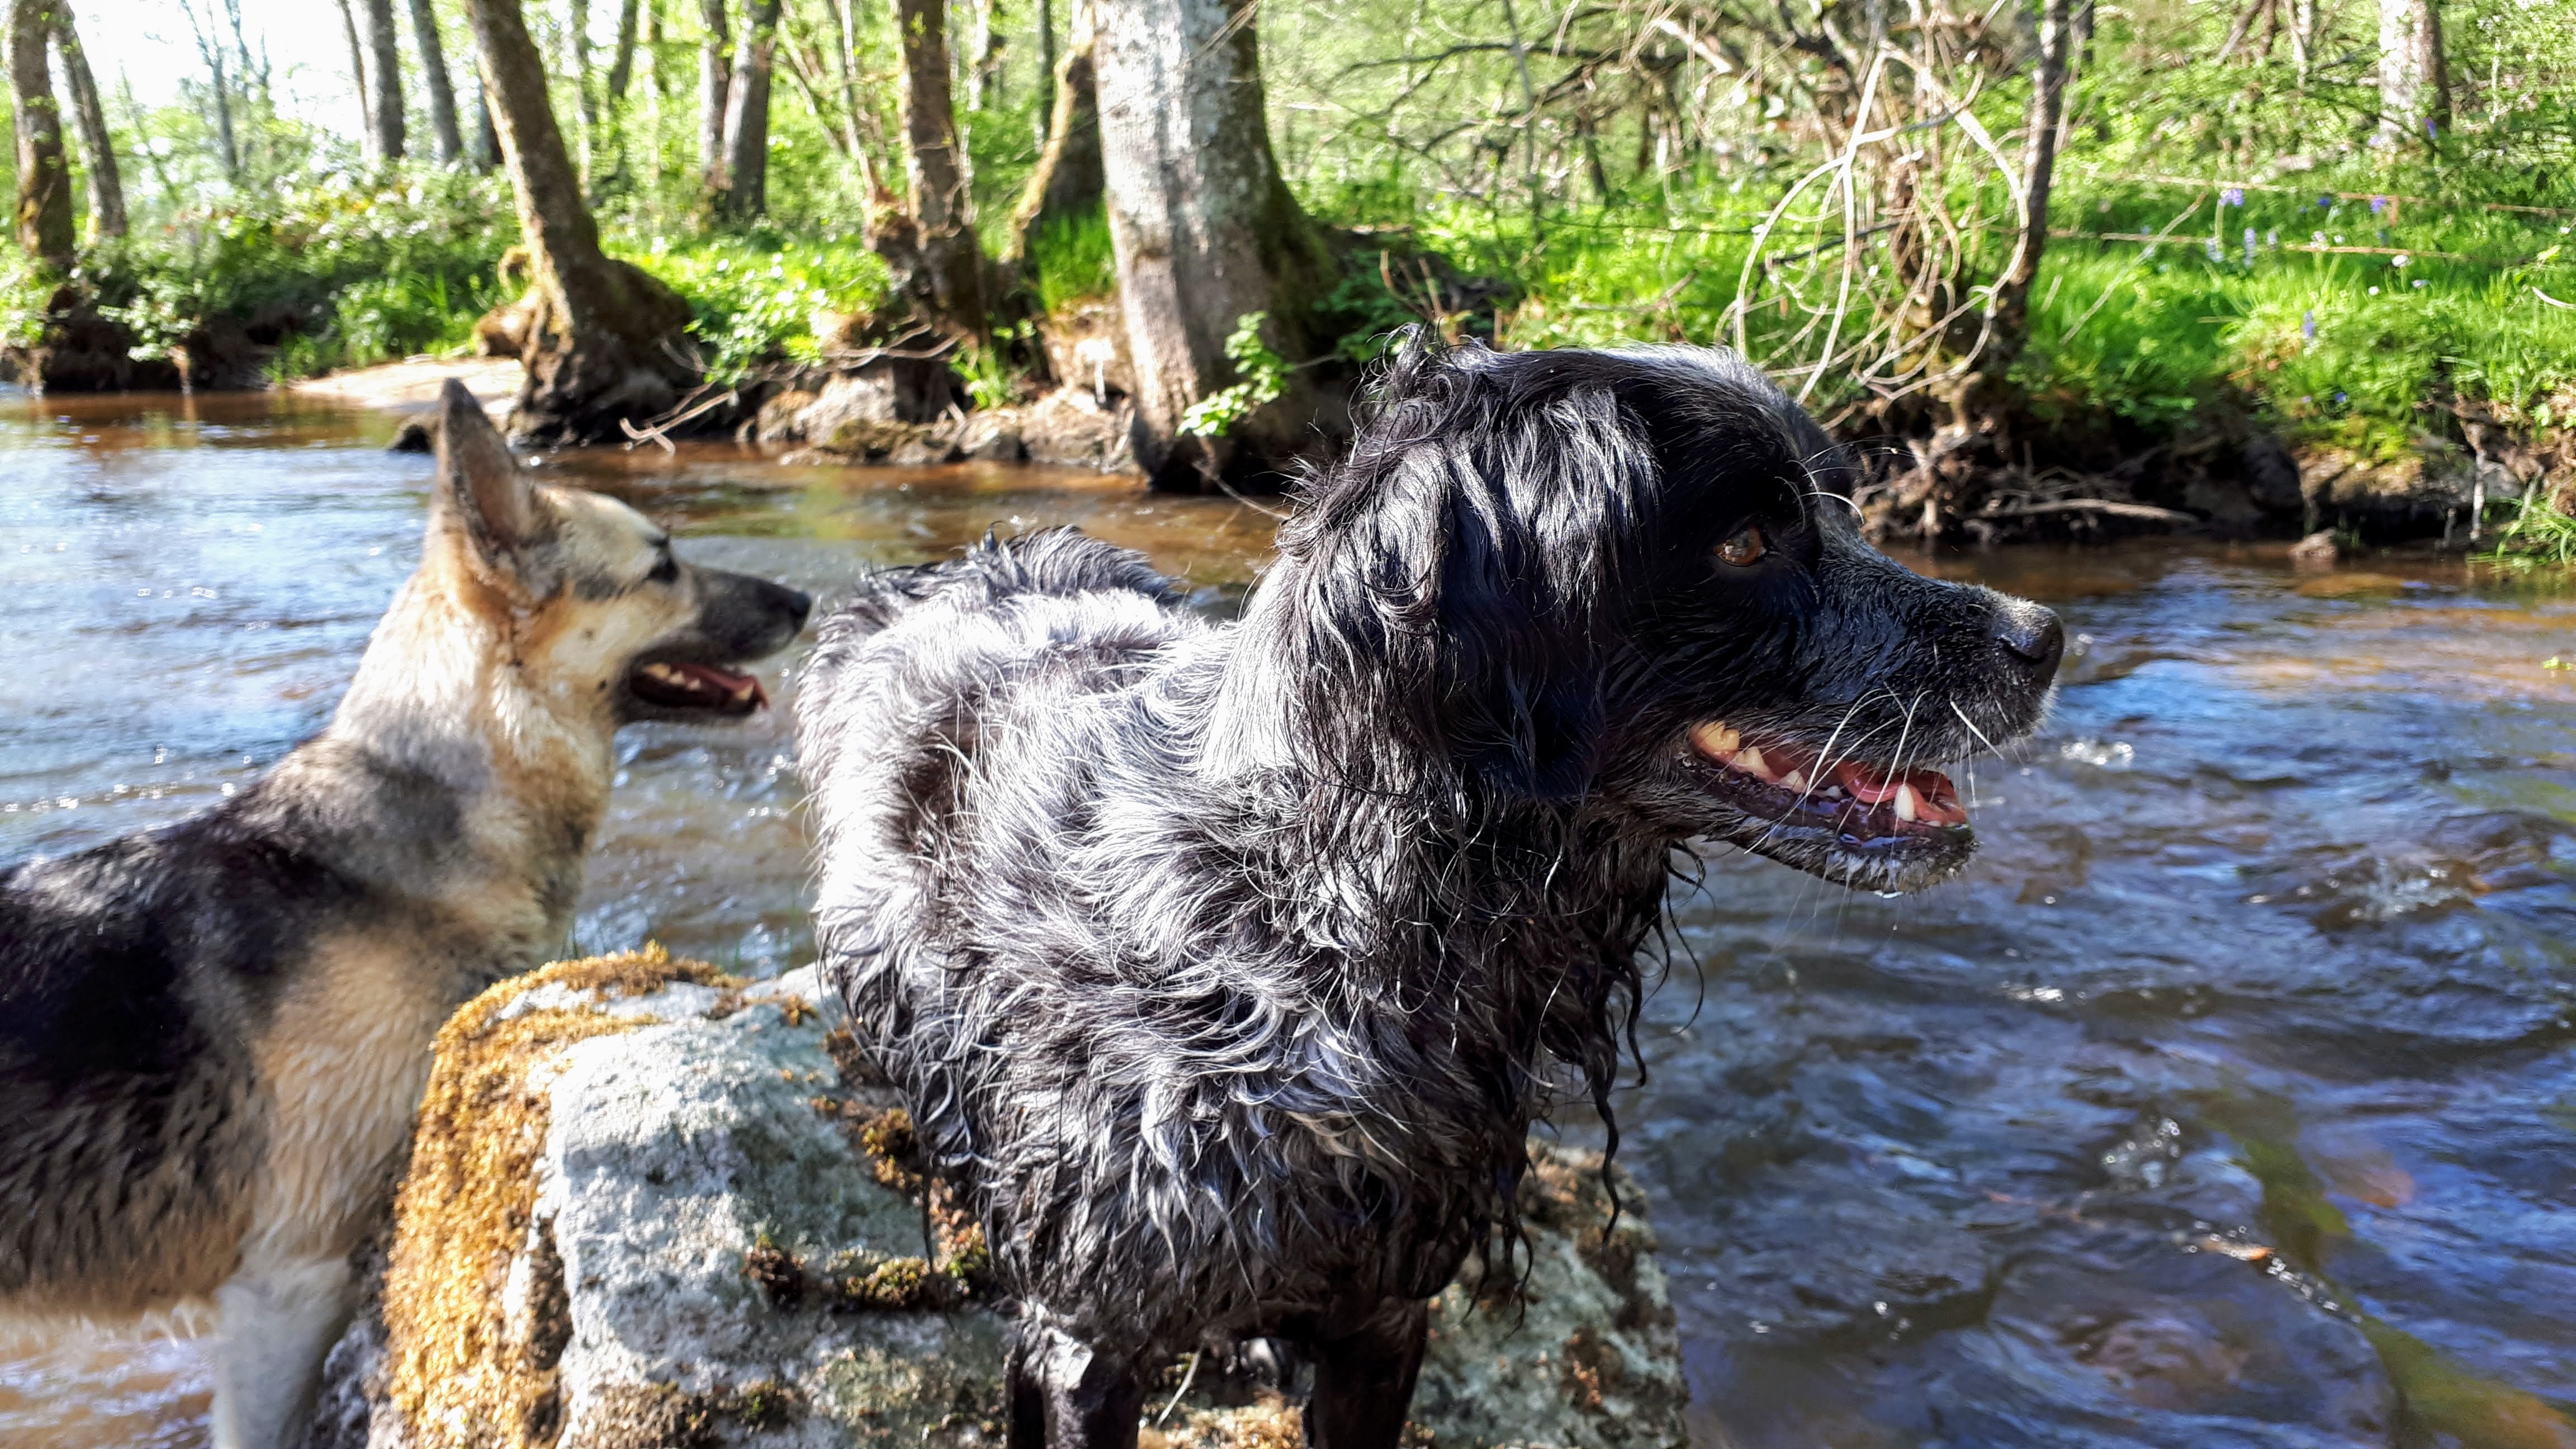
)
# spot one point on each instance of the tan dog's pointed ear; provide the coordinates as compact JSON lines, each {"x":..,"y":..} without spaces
{"x":483,"y":491}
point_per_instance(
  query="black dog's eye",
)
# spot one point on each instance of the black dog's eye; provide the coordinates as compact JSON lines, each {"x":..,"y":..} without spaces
{"x":1747,"y":546}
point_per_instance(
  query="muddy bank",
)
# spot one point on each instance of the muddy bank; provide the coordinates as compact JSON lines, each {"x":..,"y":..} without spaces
{"x":2235,"y":482}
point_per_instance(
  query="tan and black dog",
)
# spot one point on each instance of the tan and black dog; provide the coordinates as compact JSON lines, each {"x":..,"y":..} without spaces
{"x":214,"y":1036}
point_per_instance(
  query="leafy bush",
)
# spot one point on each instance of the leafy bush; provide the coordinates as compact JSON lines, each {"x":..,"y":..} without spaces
{"x":757,"y":302}
{"x":1265,"y":376}
{"x":338,"y":269}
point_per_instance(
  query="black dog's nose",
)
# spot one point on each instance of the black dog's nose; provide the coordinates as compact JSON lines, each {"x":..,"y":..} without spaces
{"x":2030,"y":639}
{"x":801,"y":604}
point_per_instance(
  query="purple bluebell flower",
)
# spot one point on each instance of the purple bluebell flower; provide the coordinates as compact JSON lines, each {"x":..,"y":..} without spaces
{"x":2232,"y":196}
{"x":2217,"y":253}
{"x":2308,"y":326}
{"x":2249,"y":246}
{"x":2342,"y":398}
{"x":2378,"y":204}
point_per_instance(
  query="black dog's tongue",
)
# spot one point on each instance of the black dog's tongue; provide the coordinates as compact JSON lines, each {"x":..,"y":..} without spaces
{"x":699,"y":686}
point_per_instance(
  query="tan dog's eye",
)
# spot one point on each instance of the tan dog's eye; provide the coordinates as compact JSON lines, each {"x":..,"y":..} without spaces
{"x":1746,"y":547}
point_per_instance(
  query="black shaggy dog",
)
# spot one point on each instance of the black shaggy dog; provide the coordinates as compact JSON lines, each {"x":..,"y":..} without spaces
{"x":1226,"y":966}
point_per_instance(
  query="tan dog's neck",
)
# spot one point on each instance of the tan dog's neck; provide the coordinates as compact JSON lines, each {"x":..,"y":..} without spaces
{"x":449,"y":689}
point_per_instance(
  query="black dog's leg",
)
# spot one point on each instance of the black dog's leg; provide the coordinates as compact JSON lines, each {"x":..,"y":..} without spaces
{"x":1063,"y":1395}
{"x":1364,"y":1383}
{"x":1025,"y":1388}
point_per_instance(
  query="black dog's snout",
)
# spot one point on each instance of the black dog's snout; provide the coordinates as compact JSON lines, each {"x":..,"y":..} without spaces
{"x":801,"y":604}
{"x":2030,"y":639}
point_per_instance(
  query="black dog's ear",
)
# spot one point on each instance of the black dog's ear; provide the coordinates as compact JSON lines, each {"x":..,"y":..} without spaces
{"x":1541,"y":502}
{"x":485,"y":495}
{"x":1452,"y":578}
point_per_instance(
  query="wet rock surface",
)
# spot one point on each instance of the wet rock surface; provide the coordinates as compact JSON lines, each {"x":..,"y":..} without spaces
{"x":653,"y":1205}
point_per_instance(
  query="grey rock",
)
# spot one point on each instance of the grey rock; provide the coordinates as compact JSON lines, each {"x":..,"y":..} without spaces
{"x":697,"y":1231}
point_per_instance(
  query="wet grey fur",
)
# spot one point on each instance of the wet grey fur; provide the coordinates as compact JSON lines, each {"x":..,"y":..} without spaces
{"x":1229,"y":964}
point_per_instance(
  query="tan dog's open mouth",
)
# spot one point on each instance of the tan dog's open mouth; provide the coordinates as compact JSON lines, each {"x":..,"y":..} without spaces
{"x":699,"y":687}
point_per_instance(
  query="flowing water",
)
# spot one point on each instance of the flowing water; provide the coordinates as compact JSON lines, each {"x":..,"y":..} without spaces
{"x":2229,"y":1099}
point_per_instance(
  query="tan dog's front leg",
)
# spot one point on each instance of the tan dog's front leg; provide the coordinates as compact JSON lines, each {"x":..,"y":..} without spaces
{"x":278,"y":1323}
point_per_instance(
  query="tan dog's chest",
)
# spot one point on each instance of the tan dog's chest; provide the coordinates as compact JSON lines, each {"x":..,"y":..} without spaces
{"x":341,"y":1068}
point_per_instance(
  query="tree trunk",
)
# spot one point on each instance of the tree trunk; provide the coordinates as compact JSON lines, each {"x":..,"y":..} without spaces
{"x":746,"y":130}
{"x":1206,"y":233}
{"x":44,"y":179}
{"x":1067,"y":182}
{"x":2414,"y":74}
{"x":601,"y":346}
{"x":1046,"y":59}
{"x":357,"y":68}
{"x":932,"y":252}
{"x":433,"y":74}
{"x":487,"y":142}
{"x":1971,"y":414}
{"x":98,"y":147}
{"x":715,"y":78}
{"x":2011,"y":306}
{"x":385,"y":123}
{"x":77,"y":349}
{"x":621,"y":65}
{"x":576,"y":58}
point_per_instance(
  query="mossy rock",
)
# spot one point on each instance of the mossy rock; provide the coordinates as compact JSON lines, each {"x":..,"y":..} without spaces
{"x":650,"y":1206}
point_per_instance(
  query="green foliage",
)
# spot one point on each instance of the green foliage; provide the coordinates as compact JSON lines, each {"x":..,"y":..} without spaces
{"x":1072,"y":261}
{"x":1265,"y":376}
{"x":27,"y":286}
{"x":990,"y":379}
{"x":2536,"y":534}
{"x":758,"y":299}
{"x":347,"y":270}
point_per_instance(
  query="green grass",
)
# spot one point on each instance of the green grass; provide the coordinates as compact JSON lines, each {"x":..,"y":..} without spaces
{"x":1071,"y":261}
{"x":2535,"y":535}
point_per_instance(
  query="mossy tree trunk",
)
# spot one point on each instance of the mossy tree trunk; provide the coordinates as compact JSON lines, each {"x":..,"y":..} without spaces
{"x":2414,"y":73}
{"x":604,"y":344}
{"x":715,"y":84}
{"x":44,"y":218}
{"x":936,"y":263}
{"x":385,"y":95}
{"x":1206,"y":233}
{"x":98,"y":147}
{"x":443,"y":129}
{"x":1067,"y":183}
{"x":745,"y":193}
{"x":77,"y":349}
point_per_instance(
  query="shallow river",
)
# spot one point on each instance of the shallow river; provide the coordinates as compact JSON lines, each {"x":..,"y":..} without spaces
{"x":2228,"y":1100}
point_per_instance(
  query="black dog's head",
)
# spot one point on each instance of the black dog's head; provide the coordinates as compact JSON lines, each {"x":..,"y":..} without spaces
{"x":1633,"y":578}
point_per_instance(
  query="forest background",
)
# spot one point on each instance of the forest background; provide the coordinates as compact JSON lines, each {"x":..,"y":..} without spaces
{"x":2041,"y":259}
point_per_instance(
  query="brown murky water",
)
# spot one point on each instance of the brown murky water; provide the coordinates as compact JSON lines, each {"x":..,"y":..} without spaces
{"x":2229,"y":1100}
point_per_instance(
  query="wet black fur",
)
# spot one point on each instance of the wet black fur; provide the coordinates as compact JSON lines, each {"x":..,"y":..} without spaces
{"x":1227,"y":966}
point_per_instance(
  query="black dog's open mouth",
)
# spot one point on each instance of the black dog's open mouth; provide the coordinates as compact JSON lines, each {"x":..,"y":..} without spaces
{"x":695,"y":688}
{"x":1848,"y":820}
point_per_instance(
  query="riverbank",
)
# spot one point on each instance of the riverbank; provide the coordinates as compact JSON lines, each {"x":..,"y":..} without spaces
{"x":2248,"y":483}
{"x":413,"y":384}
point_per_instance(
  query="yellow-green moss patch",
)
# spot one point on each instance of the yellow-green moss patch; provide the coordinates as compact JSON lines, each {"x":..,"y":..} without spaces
{"x":469,"y":1365}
